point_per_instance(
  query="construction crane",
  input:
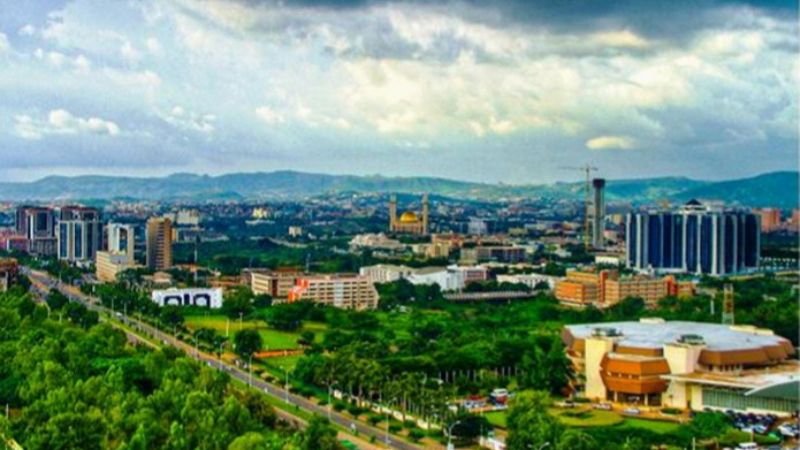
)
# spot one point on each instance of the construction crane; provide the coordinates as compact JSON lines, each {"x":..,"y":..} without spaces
{"x":587,"y":169}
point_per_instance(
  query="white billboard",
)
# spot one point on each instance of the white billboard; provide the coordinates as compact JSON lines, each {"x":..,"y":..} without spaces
{"x":203,"y":297}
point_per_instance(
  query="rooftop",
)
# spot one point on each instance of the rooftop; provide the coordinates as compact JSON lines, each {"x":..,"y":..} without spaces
{"x":655,"y":334}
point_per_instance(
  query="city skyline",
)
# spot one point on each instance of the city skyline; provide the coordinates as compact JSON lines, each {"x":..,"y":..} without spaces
{"x":400,"y":89}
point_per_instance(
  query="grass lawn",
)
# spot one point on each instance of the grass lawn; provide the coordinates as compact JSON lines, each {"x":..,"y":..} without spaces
{"x":285,"y":361}
{"x":273,"y":339}
{"x":496,"y":418}
{"x":587,"y":418}
{"x":657,"y":426}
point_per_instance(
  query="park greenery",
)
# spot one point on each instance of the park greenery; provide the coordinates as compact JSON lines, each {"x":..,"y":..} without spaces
{"x":73,"y":383}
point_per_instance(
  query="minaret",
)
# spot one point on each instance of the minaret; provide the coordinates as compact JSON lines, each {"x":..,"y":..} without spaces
{"x":425,"y":213}
{"x":392,"y":212}
{"x":727,"y":305}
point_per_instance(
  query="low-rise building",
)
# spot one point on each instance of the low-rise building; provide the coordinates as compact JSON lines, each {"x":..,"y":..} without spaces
{"x":529,"y":279}
{"x":275,"y":283}
{"x":340,"y":291}
{"x":9,"y":269}
{"x":378,"y":241}
{"x":686,"y":365}
{"x":504,"y":254}
{"x":605,"y":288}
{"x":202,"y":297}
{"x":385,"y":273}
{"x":110,"y":264}
{"x":450,"y":278}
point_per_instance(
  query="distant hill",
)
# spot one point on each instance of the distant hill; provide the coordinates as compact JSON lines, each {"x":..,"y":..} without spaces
{"x":778,"y":189}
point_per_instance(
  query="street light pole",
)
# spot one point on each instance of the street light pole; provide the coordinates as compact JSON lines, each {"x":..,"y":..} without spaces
{"x":450,"y":435}
{"x":250,"y":371}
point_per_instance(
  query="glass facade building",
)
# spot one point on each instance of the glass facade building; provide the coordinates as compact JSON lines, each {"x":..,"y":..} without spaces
{"x":694,"y":239}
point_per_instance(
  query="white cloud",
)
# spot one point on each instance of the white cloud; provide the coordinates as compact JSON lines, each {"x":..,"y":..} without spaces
{"x":4,"y":44}
{"x":610,"y":142}
{"x":179,"y":117}
{"x":129,"y":53}
{"x":153,"y":46}
{"x":269,"y":115}
{"x":61,"y":121}
{"x":27,"y":30}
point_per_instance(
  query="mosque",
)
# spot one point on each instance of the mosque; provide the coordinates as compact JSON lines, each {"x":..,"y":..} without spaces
{"x":409,"y":222}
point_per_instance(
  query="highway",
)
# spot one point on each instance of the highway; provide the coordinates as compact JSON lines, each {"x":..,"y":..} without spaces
{"x":43,"y":282}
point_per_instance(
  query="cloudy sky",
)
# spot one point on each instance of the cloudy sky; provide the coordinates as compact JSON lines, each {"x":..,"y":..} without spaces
{"x":505,"y":93}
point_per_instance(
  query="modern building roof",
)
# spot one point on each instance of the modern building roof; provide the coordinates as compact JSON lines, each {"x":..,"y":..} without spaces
{"x":656,"y":334}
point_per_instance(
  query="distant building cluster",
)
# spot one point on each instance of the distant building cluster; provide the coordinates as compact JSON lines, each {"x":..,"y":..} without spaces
{"x":450,"y":278}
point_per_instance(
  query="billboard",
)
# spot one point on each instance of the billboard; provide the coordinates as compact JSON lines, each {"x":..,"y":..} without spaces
{"x":203,"y":297}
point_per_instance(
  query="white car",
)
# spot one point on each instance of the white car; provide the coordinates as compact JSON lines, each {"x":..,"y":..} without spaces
{"x":789,"y":430}
{"x":603,"y":406}
{"x":747,"y":446}
{"x":632,"y":411}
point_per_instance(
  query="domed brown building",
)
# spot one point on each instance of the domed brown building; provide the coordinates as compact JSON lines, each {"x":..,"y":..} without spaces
{"x":409,"y":222}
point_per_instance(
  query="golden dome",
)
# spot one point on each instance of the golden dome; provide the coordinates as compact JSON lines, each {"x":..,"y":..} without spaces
{"x":408,"y":217}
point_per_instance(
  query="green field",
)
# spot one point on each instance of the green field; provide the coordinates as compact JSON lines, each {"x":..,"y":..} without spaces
{"x":593,"y":418}
{"x":273,"y":339}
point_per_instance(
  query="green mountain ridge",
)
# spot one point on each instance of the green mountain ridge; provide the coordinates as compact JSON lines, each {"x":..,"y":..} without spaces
{"x":776,"y":189}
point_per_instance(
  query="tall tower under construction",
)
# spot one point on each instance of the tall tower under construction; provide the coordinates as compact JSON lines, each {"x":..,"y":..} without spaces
{"x":597,"y":213}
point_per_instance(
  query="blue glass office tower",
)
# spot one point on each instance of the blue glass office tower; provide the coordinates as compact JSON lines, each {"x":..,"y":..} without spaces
{"x":695,"y":239}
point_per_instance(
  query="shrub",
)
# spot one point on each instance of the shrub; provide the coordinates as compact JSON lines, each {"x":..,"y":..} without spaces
{"x":395,"y":427}
{"x":410,"y":424}
{"x":354,"y":410}
{"x":374,"y":419}
{"x":339,"y":406}
{"x":581,"y":400}
{"x":416,"y":434}
{"x":323,"y":402}
{"x":671,"y":411}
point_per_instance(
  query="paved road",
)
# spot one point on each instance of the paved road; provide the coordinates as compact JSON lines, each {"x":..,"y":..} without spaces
{"x":43,"y":282}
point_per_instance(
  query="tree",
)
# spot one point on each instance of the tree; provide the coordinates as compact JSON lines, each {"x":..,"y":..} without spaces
{"x":529,"y":423}
{"x":238,"y":302}
{"x":247,"y":342}
{"x":319,"y":435}
{"x":286,"y":317}
{"x":706,"y":425}
{"x":559,"y":368}
{"x":171,"y":316}
{"x":56,"y":300}
{"x":576,"y":440}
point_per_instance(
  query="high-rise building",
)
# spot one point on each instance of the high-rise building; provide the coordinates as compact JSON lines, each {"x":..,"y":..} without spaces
{"x":37,"y":226}
{"x":770,"y":219}
{"x":408,"y":222}
{"x":598,"y":213}
{"x":120,"y":239}
{"x":696,"y":239}
{"x":159,"y":243}
{"x":79,"y":233}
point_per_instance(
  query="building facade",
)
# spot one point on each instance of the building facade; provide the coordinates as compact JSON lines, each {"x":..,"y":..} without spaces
{"x":109,"y":264}
{"x":605,"y":288}
{"x":275,"y":283}
{"x":340,"y":291}
{"x":159,"y":243}
{"x":686,"y":365}
{"x":120,"y":238}
{"x":385,"y":273}
{"x":770,"y":219}
{"x":597,"y":214}
{"x":501,"y":253}
{"x":79,"y":234}
{"x":695,"y":239}
{"x":38,"y":226}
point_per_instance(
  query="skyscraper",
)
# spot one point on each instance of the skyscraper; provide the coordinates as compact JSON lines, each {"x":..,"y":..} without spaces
{"x":37,"y":225}
{"x":120,"y":238}
{"x":598,"y":213}
{"x":696,"y":238}
{"x":159,"y":243}
{"x":79,"y":233}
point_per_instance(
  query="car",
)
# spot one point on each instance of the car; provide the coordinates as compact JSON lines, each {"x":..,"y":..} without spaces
{"x":760,"y":428}
{"x":747,"y":446}
{"x":603,"y":406}
{"x":632,"y":411}
{"x":789,"y":430}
